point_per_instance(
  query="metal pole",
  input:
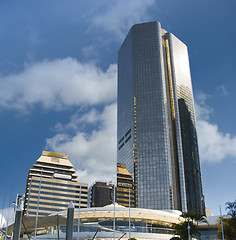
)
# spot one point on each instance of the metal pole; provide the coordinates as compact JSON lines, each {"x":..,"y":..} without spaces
{"x":95,"y":234}
{"x":114,"y":221}
{"x":36,"y":221}
{"x":28,"y":198}
{"x":129,"y":212}
{"x":79,"y":209}
{"x":122,"y":236}
{"x":58,"y":228}
{"x":221,"y":224}
{"x":15,"y":206}
{"x":6,"y":231}
{"x":70,"y":221}
{"x":188,"y":231}
{"x":17,"y":223}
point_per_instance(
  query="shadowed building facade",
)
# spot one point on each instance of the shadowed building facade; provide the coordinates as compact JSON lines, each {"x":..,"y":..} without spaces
{"x":156,"y":133}
{"x":101,"y":194}
{"x":52,"y":184}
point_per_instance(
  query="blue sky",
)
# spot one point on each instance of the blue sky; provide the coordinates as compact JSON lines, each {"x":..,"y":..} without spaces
{"x":58,"y":63}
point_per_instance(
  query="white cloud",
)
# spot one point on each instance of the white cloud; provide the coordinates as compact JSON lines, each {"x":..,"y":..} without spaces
{"x":90,"y":52}
{"x":214,"y":146}
{"x":223,"y":90}
{"x":92,"y":154}
{"x":80,"y":120}
{"x":118,"y":16}
{"x":58,"y":84}
{"x":203,"y":111}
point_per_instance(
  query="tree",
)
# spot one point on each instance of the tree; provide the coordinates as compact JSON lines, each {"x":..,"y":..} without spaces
{"x":181,"y":229}
{"x":190,"y":217}
{"x":231,"y":206}
{"x":229,"y":222}
{"x":195,"y":216}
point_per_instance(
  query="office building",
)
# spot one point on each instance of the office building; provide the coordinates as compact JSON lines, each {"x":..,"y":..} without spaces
{"x":125,"y":186}
{"x":101,"y":194}
{"x":156,"y":134}
{"x":52,"y":184}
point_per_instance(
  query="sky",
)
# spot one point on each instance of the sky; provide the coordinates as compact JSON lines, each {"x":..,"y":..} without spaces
{"x":58,"y":78}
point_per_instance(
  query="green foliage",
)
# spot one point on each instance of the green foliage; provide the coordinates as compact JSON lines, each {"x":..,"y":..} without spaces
{"x":181,"y":229}
{"x":231,"y":206}
{"x":195,"y":216}
{"x":188,"y":215}
{"x":229,"y":224}
{"x":229,"y":231}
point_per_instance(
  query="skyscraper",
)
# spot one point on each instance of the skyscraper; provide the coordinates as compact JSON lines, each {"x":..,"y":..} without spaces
{"x":52,"y":184}
{"x":156,"y":134}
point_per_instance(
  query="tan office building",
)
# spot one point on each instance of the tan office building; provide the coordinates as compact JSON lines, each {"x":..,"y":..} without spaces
{"x":124,"y":185}
{"x":52,"y":184}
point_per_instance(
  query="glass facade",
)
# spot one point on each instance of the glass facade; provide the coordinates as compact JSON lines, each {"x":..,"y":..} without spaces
{"x":151,"y":79}
{"x":185,"y":102}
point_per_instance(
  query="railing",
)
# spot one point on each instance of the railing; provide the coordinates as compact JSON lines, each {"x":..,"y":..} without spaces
{"x":138,"y":229}
{"x":141,"y":229}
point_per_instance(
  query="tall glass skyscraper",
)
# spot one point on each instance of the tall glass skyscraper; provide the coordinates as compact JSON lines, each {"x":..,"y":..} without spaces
{"x":156,"y":135}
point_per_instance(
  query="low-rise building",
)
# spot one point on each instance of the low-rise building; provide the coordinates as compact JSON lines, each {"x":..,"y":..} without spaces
{"x":101,"y":194}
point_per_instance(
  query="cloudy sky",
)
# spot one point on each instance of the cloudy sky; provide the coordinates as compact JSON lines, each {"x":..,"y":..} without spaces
{"x":58,"y":66}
